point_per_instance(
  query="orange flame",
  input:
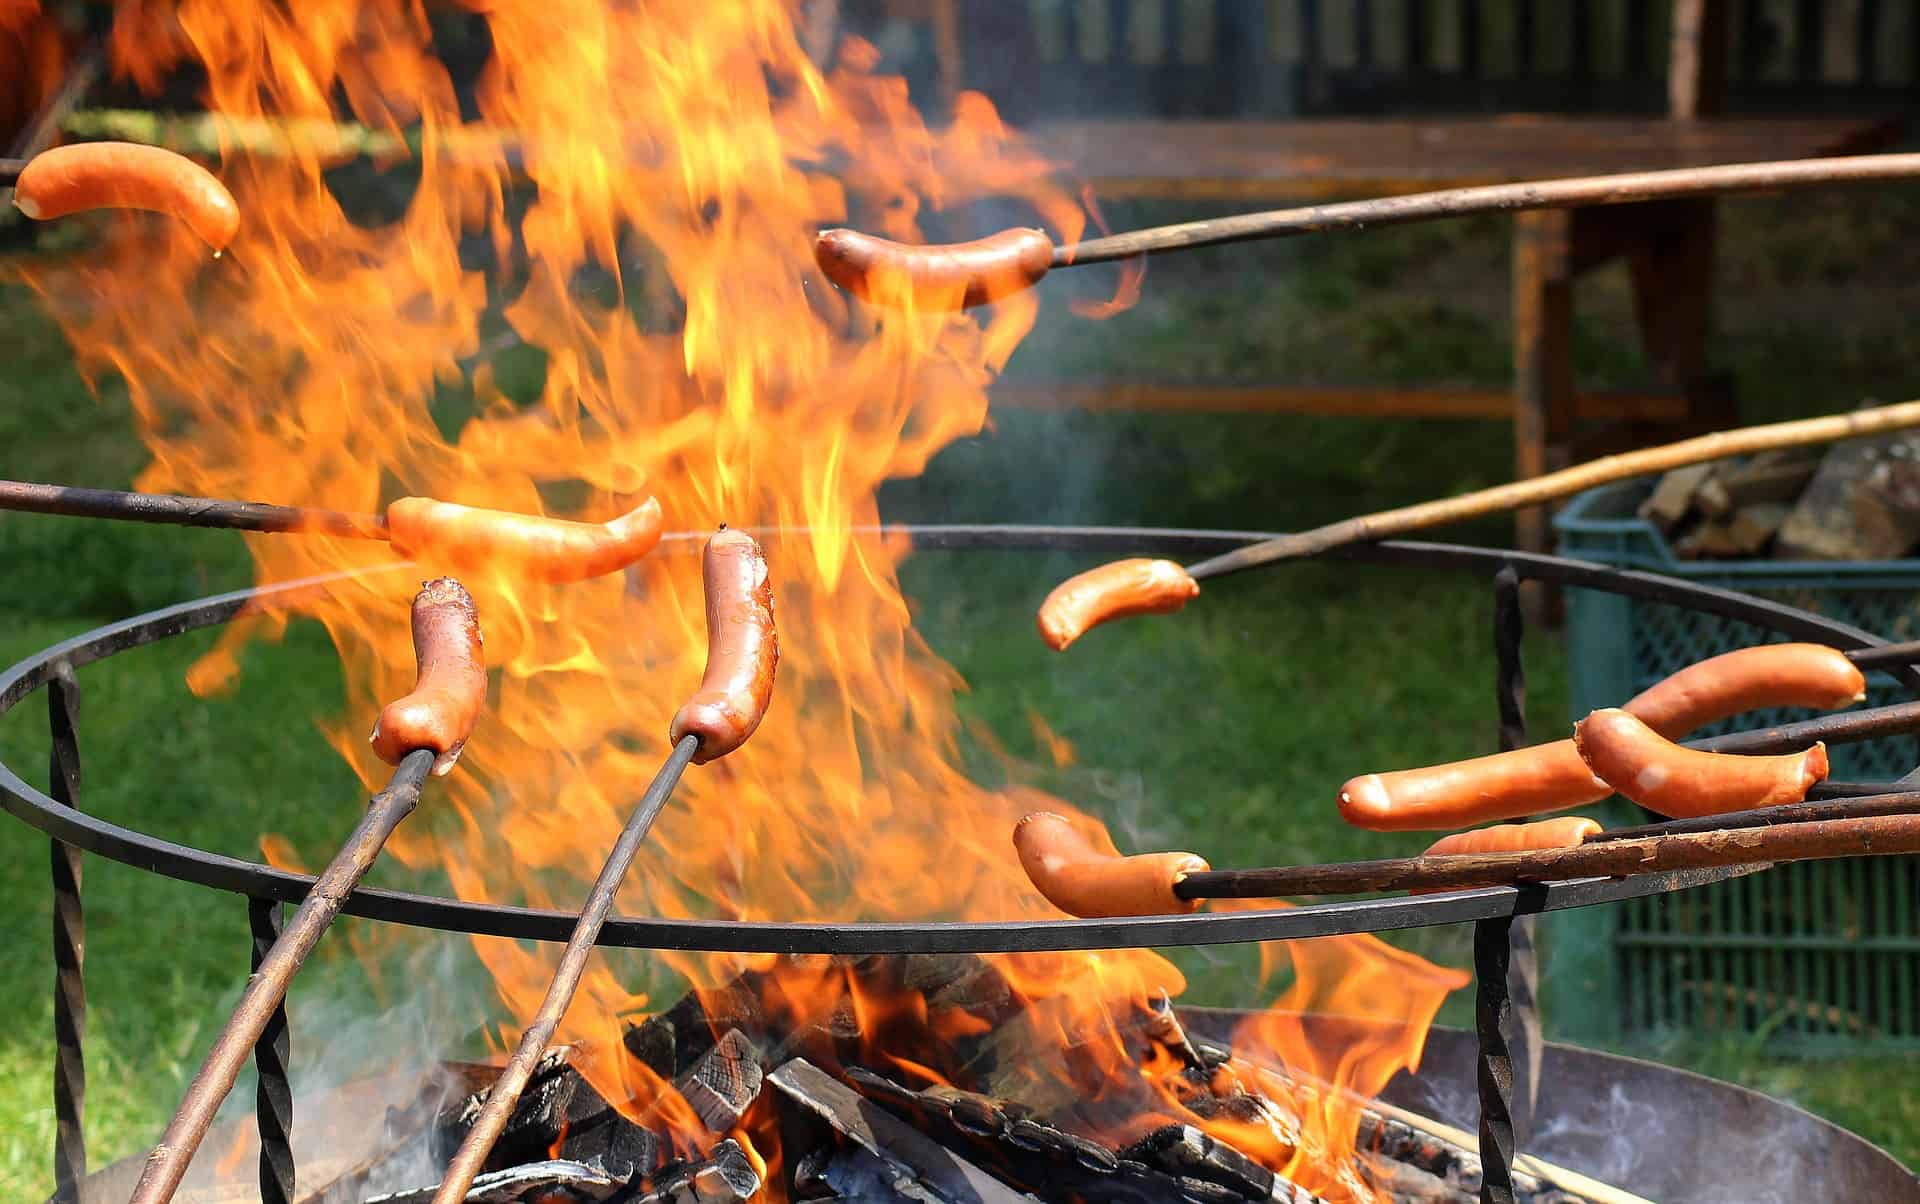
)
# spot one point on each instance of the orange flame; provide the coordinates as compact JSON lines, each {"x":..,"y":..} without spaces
{"x":633,"y":191}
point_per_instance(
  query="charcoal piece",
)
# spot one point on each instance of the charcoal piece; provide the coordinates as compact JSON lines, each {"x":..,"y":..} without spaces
{"x":546,"y":1180}
{"x":815,"y":1107}
{"x":671,"y":1042}
{"x":616,"y":1146}
{"x":725,"y":1176}
{"x":537,"y":1120}
{"x":651,"y":1041}
{"x":1185,"y":1150}
{"x":1403,"y":1181}
{"x":724,"y":1083}
{"x":1037,"y":1157}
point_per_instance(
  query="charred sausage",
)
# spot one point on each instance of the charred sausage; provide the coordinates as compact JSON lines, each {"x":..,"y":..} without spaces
{"x":954,"y":276}
{"x":451,"y":682}
{"x":1679,"y":782}
{"x":553,"y":550}
{"x":127,"y":175}
{"x":1562,"y":833}
{"x":1082,"y":881}
{"x":1552,"y":777}
{"x":742,"y":649}
{"x":1113,"y":591}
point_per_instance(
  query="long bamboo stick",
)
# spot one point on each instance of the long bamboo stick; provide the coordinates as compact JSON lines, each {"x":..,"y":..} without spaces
{"x":1387,"y":524}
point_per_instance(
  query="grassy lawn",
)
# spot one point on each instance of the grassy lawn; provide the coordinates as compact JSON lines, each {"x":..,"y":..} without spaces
{"x":1225,"y":731}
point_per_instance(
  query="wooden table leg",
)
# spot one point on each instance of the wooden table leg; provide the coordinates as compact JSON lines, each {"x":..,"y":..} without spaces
{"x":1542,"y":356}
{"x":1672,"y":272}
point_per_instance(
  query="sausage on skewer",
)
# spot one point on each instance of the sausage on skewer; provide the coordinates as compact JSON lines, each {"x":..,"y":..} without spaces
{"x":553,"y":550}
{"x":1681,"y":782}
{"x":127,"y":175}
{"x":1082,"y":881}
{"x":451,"y":687}
{"x":743,"y":649}
{"x":1112,"y":591}
{"x":1562,"y":833}
{"x":1552,"y":777}
{"x":956,"y":276}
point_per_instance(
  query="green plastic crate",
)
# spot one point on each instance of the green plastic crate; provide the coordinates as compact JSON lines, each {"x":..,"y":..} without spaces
{"x":1819,"y":957}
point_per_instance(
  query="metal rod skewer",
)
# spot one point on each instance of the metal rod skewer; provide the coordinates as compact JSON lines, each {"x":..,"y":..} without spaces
{"x":505,"y":1092}
{"x":167,"y":1164}
{"x":1895,"y":803}
{"x":182,"y":511}
{"x":1581,"y":191}
{"x":10,"y":170}
{"x":1874,"y":835}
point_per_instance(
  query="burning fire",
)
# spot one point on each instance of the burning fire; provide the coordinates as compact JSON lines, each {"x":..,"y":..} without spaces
{"x":633,"y":190}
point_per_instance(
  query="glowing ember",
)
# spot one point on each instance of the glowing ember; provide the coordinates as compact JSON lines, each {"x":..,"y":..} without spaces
{"x":683,"y":153}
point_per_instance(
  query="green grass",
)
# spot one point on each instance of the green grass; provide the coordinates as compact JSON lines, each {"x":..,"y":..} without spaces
{"x":1225,"y":730}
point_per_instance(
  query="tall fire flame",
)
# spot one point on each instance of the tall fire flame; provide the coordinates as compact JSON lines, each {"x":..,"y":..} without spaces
{"x":632,"y":189}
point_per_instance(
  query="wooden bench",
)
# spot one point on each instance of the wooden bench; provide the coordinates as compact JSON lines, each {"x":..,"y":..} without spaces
{"x":1264,"y":163}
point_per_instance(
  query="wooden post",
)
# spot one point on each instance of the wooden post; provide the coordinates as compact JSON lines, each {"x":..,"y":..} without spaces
{"x":1697,"y":65}
{"x":1542,"y":356}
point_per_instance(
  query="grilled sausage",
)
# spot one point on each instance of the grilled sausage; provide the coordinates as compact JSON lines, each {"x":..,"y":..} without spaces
{"x":127,"y":175}
{"x":954,"y":276}
{"x":1680,"y":782}
{"x":1562,"y":833}
{"x":1082,"y":881}
{"x":1113,"y":591}
{"x":742,"y":649}
{"x":451,"y":685}
{"x":1749,"y":679}
{"x":1552,"y":777}
{"x":553,"y":550}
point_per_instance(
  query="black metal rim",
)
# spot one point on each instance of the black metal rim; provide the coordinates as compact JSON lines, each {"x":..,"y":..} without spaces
{"x":260,"y":881}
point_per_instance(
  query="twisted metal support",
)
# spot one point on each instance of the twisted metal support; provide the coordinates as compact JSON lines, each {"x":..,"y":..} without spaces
{"x":1492,"y":1013}
{"x":1523,"y":983}
{"x":273,"y":1098}
{"x":69,"y":946}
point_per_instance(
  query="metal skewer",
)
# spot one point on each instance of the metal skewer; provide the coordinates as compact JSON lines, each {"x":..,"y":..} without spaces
{"x":181,"y":511}
{"x":167,"y":1164}
{"x":505,"y":1092}
{"x":1861,"y":836}
{"x":10,"y":170}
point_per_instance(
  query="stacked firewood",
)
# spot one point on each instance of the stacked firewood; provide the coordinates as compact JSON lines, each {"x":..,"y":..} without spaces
{"x":1854,"y":500}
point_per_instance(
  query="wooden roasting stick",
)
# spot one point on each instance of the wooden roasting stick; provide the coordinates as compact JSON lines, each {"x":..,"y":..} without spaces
{"x":421,"y":733}
{"x":1117,"y":590}
{"x":742,"y":654}
{"x":954,"y":276}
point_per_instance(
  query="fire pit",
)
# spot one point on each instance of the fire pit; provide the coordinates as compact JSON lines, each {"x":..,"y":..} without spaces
{"x":847,"y":1128}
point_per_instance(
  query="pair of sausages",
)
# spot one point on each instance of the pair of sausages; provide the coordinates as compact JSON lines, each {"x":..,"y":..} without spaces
{"x":127,"y":175}
{"x":1629,"y":757}
{"x":552,"y":550}
{"x":450,"y":686}
{"x":1553,"y":777}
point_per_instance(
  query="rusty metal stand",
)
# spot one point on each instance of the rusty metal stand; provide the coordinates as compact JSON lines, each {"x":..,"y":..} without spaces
{"x":1493,"y":1013}
{"x":273,"y":1097}
{"x":69,"y":947}
{"x":1509,"y":629}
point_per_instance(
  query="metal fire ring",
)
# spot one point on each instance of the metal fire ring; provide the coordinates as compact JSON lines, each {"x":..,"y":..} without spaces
{"x":259,"y":881}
